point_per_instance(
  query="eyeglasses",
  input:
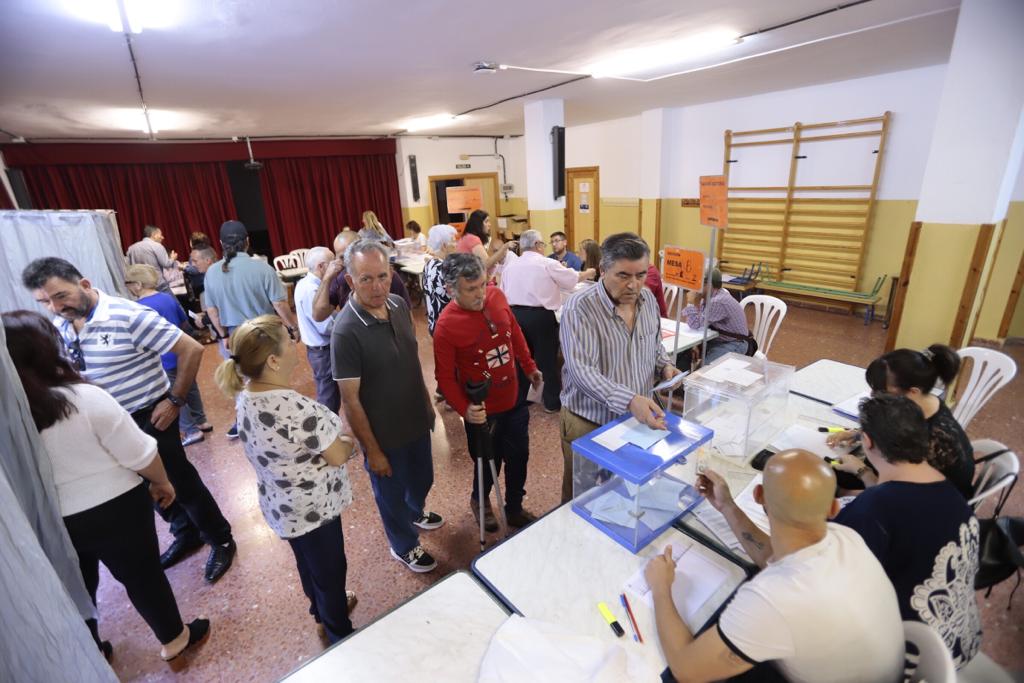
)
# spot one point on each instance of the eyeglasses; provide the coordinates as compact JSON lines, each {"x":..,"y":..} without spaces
{"x":77,"y":357}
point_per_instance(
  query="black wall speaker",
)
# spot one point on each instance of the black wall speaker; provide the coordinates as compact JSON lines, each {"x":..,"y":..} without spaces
{"x":414,"y":178}
{"x":558,"y":159}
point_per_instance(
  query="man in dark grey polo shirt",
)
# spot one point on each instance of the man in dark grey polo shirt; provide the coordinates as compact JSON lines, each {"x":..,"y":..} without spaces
{"x":376,"y":364}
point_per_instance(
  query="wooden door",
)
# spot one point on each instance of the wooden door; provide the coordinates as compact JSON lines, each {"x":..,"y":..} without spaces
{"x":488,"y":184}
{"x":489,"y":192}
{"x":583,"y":202}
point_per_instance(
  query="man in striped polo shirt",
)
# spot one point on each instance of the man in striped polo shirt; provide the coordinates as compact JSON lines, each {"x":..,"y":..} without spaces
{"x":116,"y":344}
{"x":611,"y":341}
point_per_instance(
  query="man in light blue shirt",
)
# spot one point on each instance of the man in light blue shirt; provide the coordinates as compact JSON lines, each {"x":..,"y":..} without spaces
{"x":317,"y":335}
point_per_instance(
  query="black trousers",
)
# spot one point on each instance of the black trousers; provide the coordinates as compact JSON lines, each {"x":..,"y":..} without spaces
{"x":509,"y":432}
{"x":541,"y":331}
{"x":320,"y":557}
{"x":121,"y":534}
{"x":194,"y":512}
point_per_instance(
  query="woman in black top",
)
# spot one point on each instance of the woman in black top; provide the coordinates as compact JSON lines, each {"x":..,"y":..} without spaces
{"x":913,"y":374}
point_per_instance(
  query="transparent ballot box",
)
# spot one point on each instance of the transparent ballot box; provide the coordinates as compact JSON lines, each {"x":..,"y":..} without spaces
{"x":743,"y":400}
{"x":623,"y":482}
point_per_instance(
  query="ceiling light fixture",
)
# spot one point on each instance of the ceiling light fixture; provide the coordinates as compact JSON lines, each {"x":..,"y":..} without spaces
{"x":426,"y":122}
{"x":127,"y":16}
{"x":485,"y":67}
{"x":636,"y":61}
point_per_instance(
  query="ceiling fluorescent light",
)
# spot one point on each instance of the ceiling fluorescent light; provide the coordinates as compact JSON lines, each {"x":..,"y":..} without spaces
{"x":426,"y":122}
{"x":127,"y":15}
{"x":639,"y":60}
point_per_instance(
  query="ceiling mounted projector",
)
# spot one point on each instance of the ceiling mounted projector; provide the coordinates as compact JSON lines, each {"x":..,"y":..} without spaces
{"x":485,"y":67}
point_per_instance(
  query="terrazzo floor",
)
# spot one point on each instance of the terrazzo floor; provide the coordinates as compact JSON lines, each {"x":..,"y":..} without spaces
{"x":260,"y":626}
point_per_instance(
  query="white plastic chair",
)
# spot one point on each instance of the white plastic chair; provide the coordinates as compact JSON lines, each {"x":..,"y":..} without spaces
{"x":990,"y":371}
{"x":768,"y":314}
{"x":301,"y":254}
{"x":994,"y":476}
{"x":934,"y":663}
{"x":285,"y":262}
{"x":981,"y":669}
{"x":673,"y":298}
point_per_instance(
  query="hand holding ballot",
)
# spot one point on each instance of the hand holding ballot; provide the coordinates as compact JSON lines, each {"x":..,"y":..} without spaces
{"x":647,"y":412}
{"x":713,"y":487}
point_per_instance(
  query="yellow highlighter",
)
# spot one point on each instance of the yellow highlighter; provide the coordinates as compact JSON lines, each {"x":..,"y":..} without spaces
{"x":610,"y":618}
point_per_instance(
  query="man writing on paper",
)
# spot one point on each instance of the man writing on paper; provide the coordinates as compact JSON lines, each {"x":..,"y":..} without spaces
{"x":611,"y":341}
{"x":821,"y":610}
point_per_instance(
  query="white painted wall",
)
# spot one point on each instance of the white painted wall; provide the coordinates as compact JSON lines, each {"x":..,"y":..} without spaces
{"x":614,"y":146}
{"x":539,"y":117}
{"x":438,"y":156}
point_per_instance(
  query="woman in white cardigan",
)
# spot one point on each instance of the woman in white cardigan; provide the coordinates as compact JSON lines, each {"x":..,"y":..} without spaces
{"x":99,"y":458}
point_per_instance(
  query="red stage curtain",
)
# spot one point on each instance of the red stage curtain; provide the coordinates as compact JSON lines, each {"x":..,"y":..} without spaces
{"x":309,"y":200}
{"x":178,"y":198}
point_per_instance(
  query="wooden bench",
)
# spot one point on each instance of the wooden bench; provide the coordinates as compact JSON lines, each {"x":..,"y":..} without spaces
{"x":867,"y":299}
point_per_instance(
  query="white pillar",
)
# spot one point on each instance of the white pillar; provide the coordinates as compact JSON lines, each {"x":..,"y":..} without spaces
{"x":539,"y":117}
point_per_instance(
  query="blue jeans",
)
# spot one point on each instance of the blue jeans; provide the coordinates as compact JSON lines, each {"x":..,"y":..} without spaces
{"x":721,"y":346}
{"x":327,"y":391}
{"x":401,"y":497}
{"x":320,"y":558}
{"x":192,"y":414}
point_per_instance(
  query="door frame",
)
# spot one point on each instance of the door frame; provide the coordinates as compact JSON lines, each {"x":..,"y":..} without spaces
{"x":570,"y":202}
{"x":467,"y":176}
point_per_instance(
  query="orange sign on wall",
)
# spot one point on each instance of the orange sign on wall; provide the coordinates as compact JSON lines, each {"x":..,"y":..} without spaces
{"x":714,"y":201}
{"x":684,"y":268}
{"x":463,"y":199}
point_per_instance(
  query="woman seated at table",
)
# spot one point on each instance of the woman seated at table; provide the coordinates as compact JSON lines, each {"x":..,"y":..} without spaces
{"x":373,"y":229}
{"x":97,"y":454}
{"x":913,"y":374}
{"x":589,"y":252}
{"x":298,"y":448}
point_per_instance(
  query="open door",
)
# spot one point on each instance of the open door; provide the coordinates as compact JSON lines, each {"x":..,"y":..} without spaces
{"x":488,"y":184}
{"x":583,"y":202}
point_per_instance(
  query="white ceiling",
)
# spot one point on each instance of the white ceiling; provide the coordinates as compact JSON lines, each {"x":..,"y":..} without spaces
{"x":362,"y":67}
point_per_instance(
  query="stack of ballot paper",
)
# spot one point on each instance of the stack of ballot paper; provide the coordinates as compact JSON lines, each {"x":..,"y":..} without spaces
{"x":733,"y":371}
{"x":798,"y":436}
{"x":751,"y":507}
{"x":630,"y":431}
{"x":698,"y":578}
{"x":851,"y":407}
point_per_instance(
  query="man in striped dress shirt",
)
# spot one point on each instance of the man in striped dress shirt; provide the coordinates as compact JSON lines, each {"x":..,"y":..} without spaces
{"x":611,"y":341}
{"x":116,"y":344}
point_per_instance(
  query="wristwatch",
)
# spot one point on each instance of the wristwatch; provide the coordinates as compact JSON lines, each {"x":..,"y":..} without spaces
{"x":175,"y":401}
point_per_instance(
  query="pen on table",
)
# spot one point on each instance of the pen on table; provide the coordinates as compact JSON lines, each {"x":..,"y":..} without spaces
{"x":632,"y":620}
{"x":831,"y":430}
{"x":610,"y":618}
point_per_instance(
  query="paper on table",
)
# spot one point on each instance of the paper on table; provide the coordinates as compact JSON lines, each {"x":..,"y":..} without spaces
{"x":717,"y":524}
{"x":733,"y":374}
{"x":610,"y":439}
{"x":733,"y":364}
{"x":851,"y":407}
{"x":697,"y":579}
{"x":752,"y":508}
{"x":805,"y":438}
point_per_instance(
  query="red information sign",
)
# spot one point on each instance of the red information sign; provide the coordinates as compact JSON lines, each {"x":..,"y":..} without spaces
{"x":684,"y":268}
{"x":714,"y":201}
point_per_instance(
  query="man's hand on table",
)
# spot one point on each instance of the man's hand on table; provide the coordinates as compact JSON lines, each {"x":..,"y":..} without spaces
{"x":661,"y":571}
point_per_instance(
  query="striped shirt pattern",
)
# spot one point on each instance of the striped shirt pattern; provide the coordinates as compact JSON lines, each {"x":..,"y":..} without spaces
{"x":605,"y":364}
{"x":121,"y":345}
{"x":723,"y":313}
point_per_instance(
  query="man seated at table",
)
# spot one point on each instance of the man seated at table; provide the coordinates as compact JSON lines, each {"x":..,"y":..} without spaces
{"x":821,"y":610}
{"x":334,"y":290}
{"x":534,"y":286}
{"x":918,"y":525}
{"x":723,"y":314}
{"x":611,"y":340}
{"x":560,"y":251}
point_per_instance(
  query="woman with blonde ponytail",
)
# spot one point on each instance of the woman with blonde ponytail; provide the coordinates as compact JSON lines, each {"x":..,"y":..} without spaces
{"x":298,"y":449}
{"x":373,"y":229}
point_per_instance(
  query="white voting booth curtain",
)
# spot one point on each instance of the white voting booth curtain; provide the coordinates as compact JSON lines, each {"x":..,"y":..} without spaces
{"x":43,"y":599}
{"x":88,"y":239}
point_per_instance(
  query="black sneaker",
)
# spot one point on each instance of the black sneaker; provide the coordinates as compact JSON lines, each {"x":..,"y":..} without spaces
{"x":417,"y":559}
{"x":429,"y":520}
{"x":233,"y":432}
{"x":179,"y":549}
{"x":219,"y":561}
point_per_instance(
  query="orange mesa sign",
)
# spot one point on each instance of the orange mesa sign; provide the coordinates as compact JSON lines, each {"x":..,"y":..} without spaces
{"x":463,"y":199}
{"x":684,"y":268}
{"x":714,"y":201}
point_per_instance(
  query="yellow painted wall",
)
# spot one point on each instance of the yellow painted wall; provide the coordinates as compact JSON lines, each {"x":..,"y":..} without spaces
{"x":1017,"y":322}
{"x":1003,"y":274}
{"x":648,"y":219}
{"x":887,"y":243}
{"x":680,"y":227}
{"x":420,"y":214}
{"x":513,"y":205}
{"x":619,"y":214}
{"x":548,"y":221}
{"x":941,"y":264}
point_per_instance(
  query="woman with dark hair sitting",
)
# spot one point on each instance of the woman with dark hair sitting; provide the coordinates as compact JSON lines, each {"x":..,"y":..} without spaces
{"x":97,"y":454}
{"x":590,"y":253}
{"x":475,"y":237}
{"x":913,"y":374}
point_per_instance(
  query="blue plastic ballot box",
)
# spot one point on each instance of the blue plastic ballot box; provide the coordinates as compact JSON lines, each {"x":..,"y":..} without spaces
{"x":621,"y":483}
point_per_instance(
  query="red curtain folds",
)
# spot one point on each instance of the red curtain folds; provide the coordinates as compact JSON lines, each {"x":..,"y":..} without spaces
{"x":309,"y":200}
{"x":178,"y":198}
